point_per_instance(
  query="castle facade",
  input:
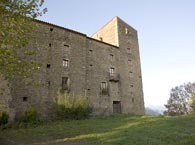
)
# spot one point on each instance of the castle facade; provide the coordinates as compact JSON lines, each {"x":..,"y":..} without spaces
{"x":104,"y":68}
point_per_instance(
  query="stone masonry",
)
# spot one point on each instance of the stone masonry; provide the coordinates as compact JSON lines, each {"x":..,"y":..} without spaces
{"x":104,"y":68}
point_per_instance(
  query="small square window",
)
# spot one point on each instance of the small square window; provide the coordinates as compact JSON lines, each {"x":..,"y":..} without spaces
{"x":65,"y":62}
{"x":25,"y":99}
{"x":49,"y":44}
{"x":48,"y":65}
{"x":51,"y":29}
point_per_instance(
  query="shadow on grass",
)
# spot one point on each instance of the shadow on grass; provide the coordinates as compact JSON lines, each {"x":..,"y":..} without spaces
{"x":124,"y":130}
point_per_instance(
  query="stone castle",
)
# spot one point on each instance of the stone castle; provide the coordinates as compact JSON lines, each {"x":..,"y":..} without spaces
{"x":104,"y":68}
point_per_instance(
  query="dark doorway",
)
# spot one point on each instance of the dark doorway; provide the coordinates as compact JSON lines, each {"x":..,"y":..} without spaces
{"x":116,"y":106}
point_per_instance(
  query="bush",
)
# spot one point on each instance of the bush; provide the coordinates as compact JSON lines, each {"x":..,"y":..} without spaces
{"x":4,"y":118}
{"x":73,"y":107}
{"x":30,"y":114}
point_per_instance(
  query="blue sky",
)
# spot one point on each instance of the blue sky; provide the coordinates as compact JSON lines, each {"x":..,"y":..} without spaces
{"x":166,"y":31}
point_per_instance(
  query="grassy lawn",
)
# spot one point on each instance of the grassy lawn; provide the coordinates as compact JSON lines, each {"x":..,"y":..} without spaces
{"x":114,"y":130}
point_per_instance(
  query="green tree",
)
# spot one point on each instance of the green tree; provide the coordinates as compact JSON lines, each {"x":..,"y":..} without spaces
{"x":16,"y":18}
{"x":179,"y":101}
{"x":192,"y":102}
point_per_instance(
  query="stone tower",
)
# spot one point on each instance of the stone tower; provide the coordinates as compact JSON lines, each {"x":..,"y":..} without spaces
{"x":119,"y":33}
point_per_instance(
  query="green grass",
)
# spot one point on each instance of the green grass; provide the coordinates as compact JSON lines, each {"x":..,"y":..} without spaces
{"x":114,"y":130}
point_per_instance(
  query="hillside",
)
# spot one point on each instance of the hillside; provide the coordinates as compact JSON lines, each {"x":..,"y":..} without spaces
{"x":114,"y":130}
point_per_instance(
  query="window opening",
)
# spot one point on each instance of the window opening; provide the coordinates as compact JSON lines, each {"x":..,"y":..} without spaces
{"x":90,"y":67}
{"x":48,"y":83}
{"x":112,"y":71}
{"x":66,"y":45}
{"x":104,"y":88}
{"x":131,"y":74}
{"x":65,"y":83}
{"x":90,"y":52}
{"x":65,"y":62}
{"x":126,"y":31}
{"x":129,"y":61}
{"x":128,"y":50}
{"x":25,"y":99}
{"x":111,"y":57}
{"x":48,"y":65}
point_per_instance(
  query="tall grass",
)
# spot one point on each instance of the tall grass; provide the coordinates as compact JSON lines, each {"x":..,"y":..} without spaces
{"x":30,"y":115}
{"x":73,"y":107}
{"x":3,"y":117}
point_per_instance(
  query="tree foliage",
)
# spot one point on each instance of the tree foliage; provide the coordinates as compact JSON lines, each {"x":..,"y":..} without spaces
{"x":192,"y":103}
{"x":16,"y":18}
{"x":179,"y":101}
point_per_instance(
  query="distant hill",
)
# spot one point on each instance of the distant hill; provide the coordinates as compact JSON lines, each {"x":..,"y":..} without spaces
{"x":149,"y":111}
{"x":154,"y":110}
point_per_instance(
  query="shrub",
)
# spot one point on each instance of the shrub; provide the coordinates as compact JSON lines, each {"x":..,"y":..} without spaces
{"x":4,"y":118}
{"x":30,"y":114}
{"x":73,"y":107}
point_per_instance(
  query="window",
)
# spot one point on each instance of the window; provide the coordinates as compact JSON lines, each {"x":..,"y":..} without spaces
{"x":90,"y":67}
{"x":49,"y":44}
{"x":111,"y":57}
{"x":66,"y":45}
{"x":90,"y":52}
{"x":126,"y":31}
{"x":129,"y":61}
{"x":48,"y":83}
{"x":65,"y":63}
{"x":128,"y":50}
{"x":131,"y":74}
{"x":51,"y":29}
{"x":112,"y":71}
{"x":48,"y":65}
{"x":25,"y":99}
{"x":104,"y":88}
{"x":65,"y":83}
